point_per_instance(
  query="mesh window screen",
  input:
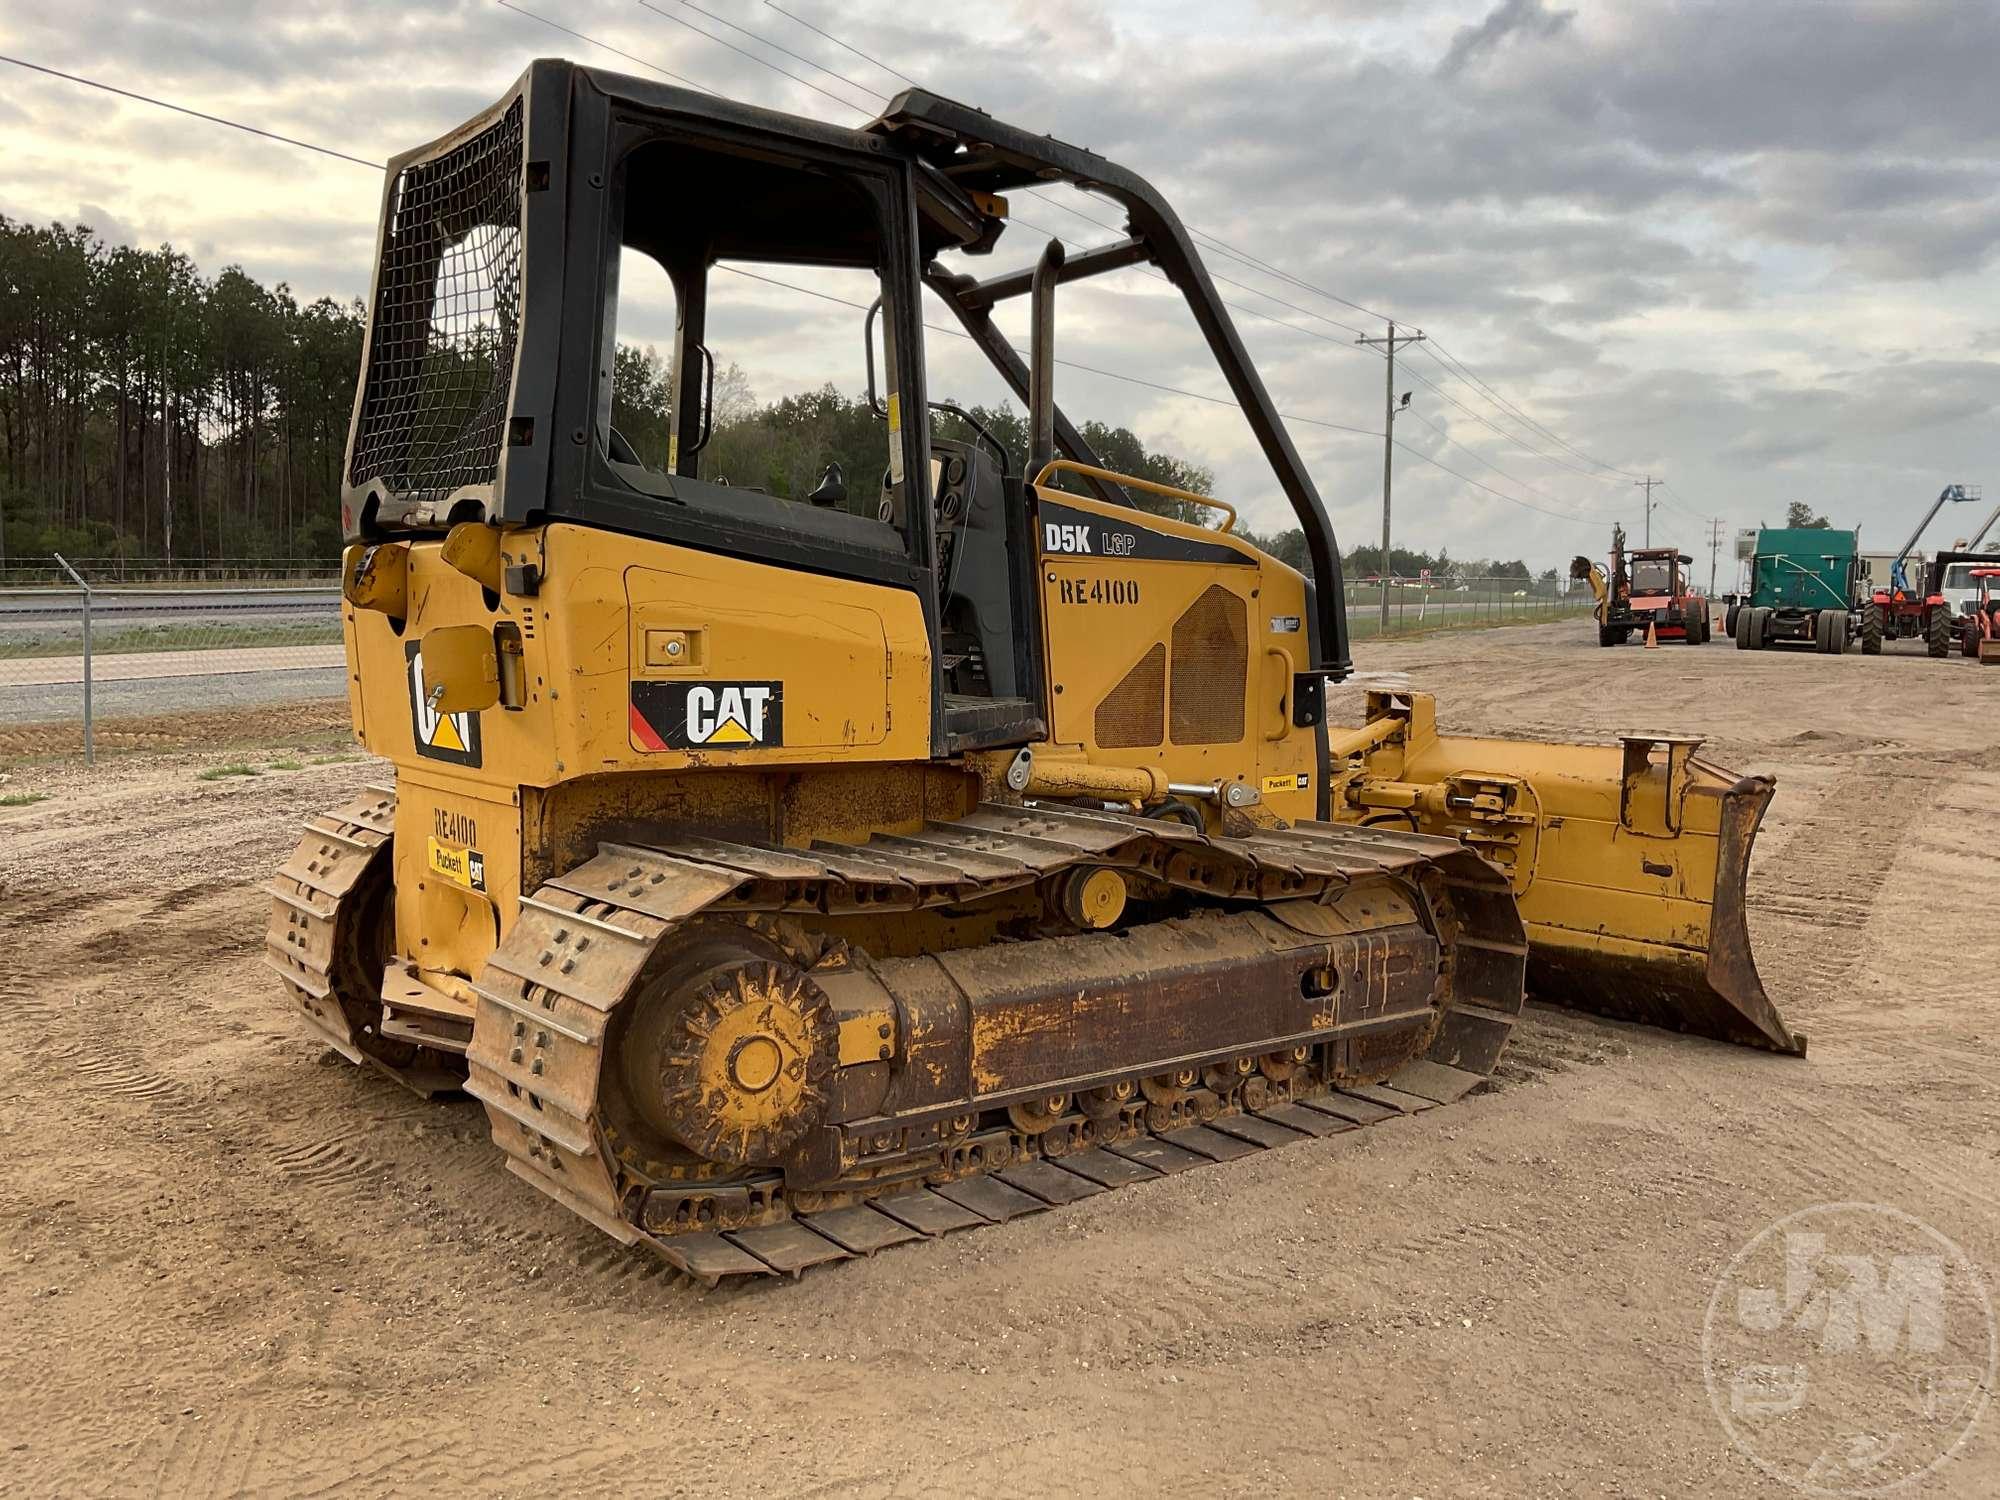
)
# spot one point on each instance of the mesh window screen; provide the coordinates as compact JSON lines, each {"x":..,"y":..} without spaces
{"x":447,"y":311}
{"x":1211,"y":664}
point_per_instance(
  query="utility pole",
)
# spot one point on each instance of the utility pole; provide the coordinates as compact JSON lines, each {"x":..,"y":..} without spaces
{"x":1714,"y":546}
{"x":167,"y":449}
{"x":1648,"y":482}
{"x":1389,"y":442}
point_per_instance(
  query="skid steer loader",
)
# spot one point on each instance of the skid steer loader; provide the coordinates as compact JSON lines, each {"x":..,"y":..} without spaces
{"x":789,"y":878}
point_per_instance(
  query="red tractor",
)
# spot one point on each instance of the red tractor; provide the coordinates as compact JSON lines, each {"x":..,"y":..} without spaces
{"x":1979,"y":633}
{"x":1647,"y":587}
{"x":1905,"y":611}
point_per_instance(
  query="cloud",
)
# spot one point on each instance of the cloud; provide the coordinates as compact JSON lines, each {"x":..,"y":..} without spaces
{"x":1511,"y":18}
{"x":107,"y":225}
{"x":1751,"y":247}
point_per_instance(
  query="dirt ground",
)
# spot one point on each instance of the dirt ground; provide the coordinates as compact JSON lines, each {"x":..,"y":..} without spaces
{"x":232,"y":1264}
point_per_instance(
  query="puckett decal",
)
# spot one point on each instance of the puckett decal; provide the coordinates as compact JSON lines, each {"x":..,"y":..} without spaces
{"x":708,"y":715}
{"x":452,"y":737}
{"x":466,"y":867}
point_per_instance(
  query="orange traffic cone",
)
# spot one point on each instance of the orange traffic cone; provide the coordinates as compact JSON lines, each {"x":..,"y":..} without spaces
{"x":1652,"y":637}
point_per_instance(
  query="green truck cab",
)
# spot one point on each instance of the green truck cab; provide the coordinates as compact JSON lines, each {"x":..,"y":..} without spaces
{"x":1805,"y":590}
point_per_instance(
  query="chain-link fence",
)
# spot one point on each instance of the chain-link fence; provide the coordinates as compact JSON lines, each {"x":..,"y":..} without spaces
{"x":85,"y":651}
{"x":1417,"y":605}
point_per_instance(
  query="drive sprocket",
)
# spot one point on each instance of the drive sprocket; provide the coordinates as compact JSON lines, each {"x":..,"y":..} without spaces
{"x":738,"y":1059}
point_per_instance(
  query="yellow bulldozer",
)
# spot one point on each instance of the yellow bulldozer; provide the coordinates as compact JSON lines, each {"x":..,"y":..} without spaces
{"x":793,"y":876}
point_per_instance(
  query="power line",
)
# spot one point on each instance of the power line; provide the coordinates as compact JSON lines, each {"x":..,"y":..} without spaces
{"x":606,"y":46}
{"x":1312,"y":333}
{"x":1201,"y":397}
{"x":1464,"y":370}
{"x":959,"y":333}
{"x":1667,"y":485}
{"x":1512,"y":437}
{"x":1089,"y":218}
{"x":1318,"y":422}
{"x":781,"y":47}
{"x":1685,"y":510}
{"x":1242,"y":255}
{"x":722,"y":42}
{"x":1441,"y":354}
{"x":1560,"y":515}
{"x":791,"y":16}
{"x":182,"y":109}
{"x":1070,"y":208}
{"x":1516,"y":438}
{"x":1283,"y":275}
{"x":1017,"y":219}
{"x":1230,"y":251}
{"x":1511,"y":478}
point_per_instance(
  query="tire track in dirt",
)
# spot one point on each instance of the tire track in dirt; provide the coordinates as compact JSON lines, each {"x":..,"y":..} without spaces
{"x":210,"y":1455}
{"x":1548,"y":1041}
{"x":1811,"y":903}
{"x":1906,"y":1025}
{"x":134,"y":935}
{"x":327,"y":1164}
{"x":128,"y":1080}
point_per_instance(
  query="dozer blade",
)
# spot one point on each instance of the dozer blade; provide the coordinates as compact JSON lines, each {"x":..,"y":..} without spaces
{"x":1628,"y":861}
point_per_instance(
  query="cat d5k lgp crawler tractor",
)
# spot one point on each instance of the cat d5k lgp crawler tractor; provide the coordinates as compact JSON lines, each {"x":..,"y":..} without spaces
{"x":792,"y":877}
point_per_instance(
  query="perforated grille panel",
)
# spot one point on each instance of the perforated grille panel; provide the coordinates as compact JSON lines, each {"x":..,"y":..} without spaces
{"x":1134,"y":713}
{"x":447,"y":310}
{"x":1211,"y":661}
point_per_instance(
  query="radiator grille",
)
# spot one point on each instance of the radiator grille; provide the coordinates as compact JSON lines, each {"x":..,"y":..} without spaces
{"x":1211,"y":662}
{"x":447,"y":310}
{"x":1134,"y":713}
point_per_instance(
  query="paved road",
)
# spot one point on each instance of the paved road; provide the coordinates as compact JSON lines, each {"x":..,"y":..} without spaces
{"x":58,"y":612}
{"x":42,"y":703}
{"x":133,"y":666}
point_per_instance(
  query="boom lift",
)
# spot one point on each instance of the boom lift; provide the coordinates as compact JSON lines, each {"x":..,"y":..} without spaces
{"x":790,"y":877}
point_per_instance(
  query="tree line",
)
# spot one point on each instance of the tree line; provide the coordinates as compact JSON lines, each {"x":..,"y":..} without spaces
{"x":149,"y":412}
{"x":152,"y":414}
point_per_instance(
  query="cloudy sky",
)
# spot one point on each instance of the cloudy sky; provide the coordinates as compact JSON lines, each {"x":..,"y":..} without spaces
{"x":1748,"y":246}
